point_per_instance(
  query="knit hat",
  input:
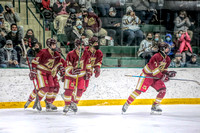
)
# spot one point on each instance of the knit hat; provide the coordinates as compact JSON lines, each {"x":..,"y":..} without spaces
{"x":129,"y":9}
{"x":9,"y":42}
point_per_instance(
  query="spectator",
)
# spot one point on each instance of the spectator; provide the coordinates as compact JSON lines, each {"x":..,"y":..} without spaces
{"x":156,"y":41}
{"x":13,"y":17}
{"x":4,"y":26}
{"x":61,"y":11}
{"x":182,"y":22}
{"x":34,"y":50}
{"x":14,"y":35}
{"x":145,"y":50}
{"x":8,"y":56}
{"x":112,"y":25}
{"x":93,"y":26}
{"x":10,"y":15}
{"x":193,"y":61}
{"x":130,"y":25}
{"x":74,"y":33}
{"x":142,"y":10}
{"x":2,"y":41}
{"x":71,"y":21}
{"x":177,"y":61}
{"x":31,"y":38}
{"x":168,"y":39}
{"x":185,"y":47}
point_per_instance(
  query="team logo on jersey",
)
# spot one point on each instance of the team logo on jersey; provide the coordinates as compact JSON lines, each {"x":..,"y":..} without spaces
{"x":144,"y":87}
{"x":50,"y":63}
{"x":72,"y":84}
{"x":91,"y":21}
{"x":162,"y":66}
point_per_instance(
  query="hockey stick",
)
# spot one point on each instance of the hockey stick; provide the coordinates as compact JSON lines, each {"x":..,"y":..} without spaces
{"x":79,"y":59}
{"x":25,"y":53}
{"x":158,"y":78}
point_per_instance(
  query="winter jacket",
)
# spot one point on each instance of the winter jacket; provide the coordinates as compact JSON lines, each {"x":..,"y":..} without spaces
{"x":94,"y":23}
{"x":170,"y":43}
{"x":10,"y":17}
{"x":46,"y":4}
{"x":129,"y":22}
{"x":181,"y":24}
{"x":145,"y":46}
{"x":15,"y":39}
{"x":184,"y":42}
{"x":4,"y":56}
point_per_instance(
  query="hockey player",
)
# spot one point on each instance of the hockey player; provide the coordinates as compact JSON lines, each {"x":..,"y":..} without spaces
{"x":44,"y":69}
{"x":96,"y":57}
{"x":156,"y":69}
{"x":72,"y":72}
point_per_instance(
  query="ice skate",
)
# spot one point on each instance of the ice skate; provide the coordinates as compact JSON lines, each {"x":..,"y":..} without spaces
{"x":35,"y":103}
{"x":66,"y":109}
{"x":125,"y":107}
{"x":47,"y":106}
{"x":26,"y":104}
{"x":155,"y":109}
{"x":73,"y":107}
{"x":52,"y":107}
{"x":38,"y":106}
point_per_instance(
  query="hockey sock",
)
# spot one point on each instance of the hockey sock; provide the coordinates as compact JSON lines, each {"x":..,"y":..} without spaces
{"x":133,"y":96}
{"x":49,"y":95}
{"x":32,"y":96}
{"x":55,"y":93}
{"x":78,"y":96}
{"x":68,"y":96}
{"x":42,"y":92}
{"x":160,"y":96}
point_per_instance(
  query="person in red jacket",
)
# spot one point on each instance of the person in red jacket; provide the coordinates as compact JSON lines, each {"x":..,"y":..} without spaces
{"x":185,"y":47}
{"x":96,"y":56}
{"x":44,"y":69}
{"x":76,"y":68}
{"x":156,"y":73}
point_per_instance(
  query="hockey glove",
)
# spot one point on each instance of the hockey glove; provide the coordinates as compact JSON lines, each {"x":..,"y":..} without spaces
{"x":87,"y":76}
{"x":171,"y":73}
{"x":165,"y":78}
{"x":33,"y":74}
{"x":76,"y":71}
{"x":97,"y":71}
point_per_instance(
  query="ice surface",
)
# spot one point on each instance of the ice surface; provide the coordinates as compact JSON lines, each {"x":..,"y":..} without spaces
{"x":103,"y":119}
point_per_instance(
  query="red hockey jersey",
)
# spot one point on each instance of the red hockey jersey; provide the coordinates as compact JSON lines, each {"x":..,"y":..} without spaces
{"x":157,"y":65}
{"x":72,"y":62}
{"x":47,"y":61}
{"x":96,"y":57}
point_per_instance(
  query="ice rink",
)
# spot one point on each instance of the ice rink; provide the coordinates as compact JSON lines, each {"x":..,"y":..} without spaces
{"x":103,"y":119}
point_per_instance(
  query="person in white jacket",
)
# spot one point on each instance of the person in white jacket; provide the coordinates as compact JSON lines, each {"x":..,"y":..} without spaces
{"x":130,"y":26}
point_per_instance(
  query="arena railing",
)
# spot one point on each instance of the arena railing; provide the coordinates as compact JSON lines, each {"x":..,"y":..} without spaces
{"x":19,"y":9}
{"x":43,"y":19}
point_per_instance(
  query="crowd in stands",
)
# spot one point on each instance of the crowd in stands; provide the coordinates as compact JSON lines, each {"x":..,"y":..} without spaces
{"x":111,"y":21}
{"x":12,"y":53}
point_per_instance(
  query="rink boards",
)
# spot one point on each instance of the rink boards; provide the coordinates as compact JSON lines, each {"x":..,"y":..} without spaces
{"x":111,"y":88}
